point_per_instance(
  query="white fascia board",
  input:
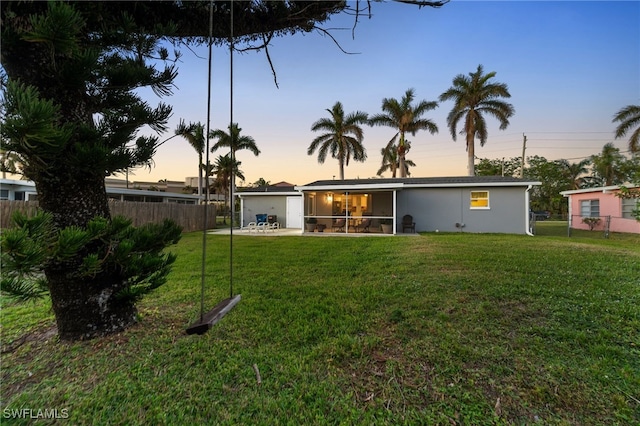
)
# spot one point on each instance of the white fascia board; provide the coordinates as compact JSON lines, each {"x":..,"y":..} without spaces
{"x":24,"y":183}
{"x":112,"y":190}
{"x":126,"y":191}
{"x":471,"y":184}
{"x":599,"y":189}
{"x":360,"y":187}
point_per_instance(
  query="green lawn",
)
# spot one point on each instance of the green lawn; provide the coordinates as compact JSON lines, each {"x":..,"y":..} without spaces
{"x":437,"y":329}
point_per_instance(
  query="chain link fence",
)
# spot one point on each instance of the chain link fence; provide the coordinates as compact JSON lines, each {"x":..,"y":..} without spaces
{"x":576,"y":226}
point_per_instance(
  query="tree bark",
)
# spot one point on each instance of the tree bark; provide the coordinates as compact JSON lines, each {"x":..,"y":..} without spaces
{"x":87,"y":308}
{"x":471,"y":154}
{"x":84,"y":307}
{"x":401,"y":155}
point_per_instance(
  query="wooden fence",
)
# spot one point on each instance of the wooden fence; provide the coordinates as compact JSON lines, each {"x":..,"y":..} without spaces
{"x":189,"y":216}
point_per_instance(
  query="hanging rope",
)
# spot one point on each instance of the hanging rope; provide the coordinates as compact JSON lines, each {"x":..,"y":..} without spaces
{"x":205,"y":224}
{"x":222,"y":308}
{"x":233,"y":157}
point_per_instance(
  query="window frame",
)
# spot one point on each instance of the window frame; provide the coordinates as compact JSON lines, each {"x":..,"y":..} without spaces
{"x":478,"y":198}
{"x":594,"y":207}
{"x":311,"y":205}
{"x":627,"y":206}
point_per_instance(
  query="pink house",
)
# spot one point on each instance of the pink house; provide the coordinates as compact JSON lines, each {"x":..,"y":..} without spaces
{"x":599,"y":208}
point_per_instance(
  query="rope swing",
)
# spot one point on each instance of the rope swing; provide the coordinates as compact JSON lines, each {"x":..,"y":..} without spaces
{"x":209,"y":319}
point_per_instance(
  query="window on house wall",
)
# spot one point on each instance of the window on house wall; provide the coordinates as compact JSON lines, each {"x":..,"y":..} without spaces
{"x":311,"y":205}
{"x":19,"y":196}
{"x":590,"y":208}
{"x":479,"y":199}
{"x":4,"y":194}
{"x":628,"y":206}
{"x":136,"y":198}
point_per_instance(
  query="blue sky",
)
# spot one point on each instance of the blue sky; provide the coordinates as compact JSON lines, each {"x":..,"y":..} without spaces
{"x":569,"y":67}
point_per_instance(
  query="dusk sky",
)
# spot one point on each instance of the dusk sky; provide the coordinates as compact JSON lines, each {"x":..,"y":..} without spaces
{"x":570,"y":66}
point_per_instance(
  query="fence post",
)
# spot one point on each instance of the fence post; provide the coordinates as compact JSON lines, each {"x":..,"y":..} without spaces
{"x":607,"y":225}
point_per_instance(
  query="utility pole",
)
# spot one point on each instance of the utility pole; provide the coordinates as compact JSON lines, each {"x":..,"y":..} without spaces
{"x":524,"y":147}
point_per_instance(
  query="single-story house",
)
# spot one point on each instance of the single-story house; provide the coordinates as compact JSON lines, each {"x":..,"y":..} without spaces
{"x":464,"y":204}
{"x":601,"y":208}
{"x":279,"y":202}
{"x":25,"y":190}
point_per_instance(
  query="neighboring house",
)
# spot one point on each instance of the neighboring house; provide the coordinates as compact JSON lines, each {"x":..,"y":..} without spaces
{"x":17,"y":190}
{"x":280,"y":201}
{"x":24,"y":190}
{"x":448,"y":204}
{"x":603,"y":208}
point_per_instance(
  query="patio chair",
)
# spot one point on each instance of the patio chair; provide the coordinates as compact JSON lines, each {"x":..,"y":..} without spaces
{"x":251,"y":226}
{"x":273,"y":226}
{"x":408,"y":223}
{"x":338,"y":225}
{"x":364,"y":225}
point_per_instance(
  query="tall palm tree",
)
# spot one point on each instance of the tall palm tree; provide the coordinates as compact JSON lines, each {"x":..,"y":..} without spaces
{"x":226,"y":170}
{"x":342,"y":137}
{"x":474,"y":97}
{"x":233,"y":140}
{"x":574,"y":172}
{"x":629,"y":117}
{"x":609,"y":165}
{"x":407,"y":118}
{"x":390,"y":160}
{"x":194,"y":134}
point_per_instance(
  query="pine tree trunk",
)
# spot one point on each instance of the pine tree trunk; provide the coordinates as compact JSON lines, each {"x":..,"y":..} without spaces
{"x":88,"y":308}
{"x":84,"y":307}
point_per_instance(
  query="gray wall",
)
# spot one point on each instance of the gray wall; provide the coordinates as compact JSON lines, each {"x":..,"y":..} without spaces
{"x":442,"y":208}
{"x":264,"y":204}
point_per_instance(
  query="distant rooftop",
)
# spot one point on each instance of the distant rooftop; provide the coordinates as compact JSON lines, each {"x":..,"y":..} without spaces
{"x":279,"y":187}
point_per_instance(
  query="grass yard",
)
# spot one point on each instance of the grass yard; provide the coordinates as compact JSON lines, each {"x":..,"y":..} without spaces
{"x":437,"y":329}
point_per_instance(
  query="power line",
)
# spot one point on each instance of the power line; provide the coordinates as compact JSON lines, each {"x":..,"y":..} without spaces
{"x":568,"y":133}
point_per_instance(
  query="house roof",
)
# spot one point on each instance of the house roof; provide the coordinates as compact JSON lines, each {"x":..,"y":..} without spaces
{"x":416,"y":182}
{"x":283,"y":183}
{"x":603,"y":189}
{"x":277,"y":189}
{"x":21,"y":184}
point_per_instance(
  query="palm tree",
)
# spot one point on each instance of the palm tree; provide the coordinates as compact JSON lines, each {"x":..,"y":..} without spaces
{"x":574,"y":172}
{"x":226,"y":170}
{"x":629,"y":117}
{"x":260,"y":183}
{"x":342,"y":137}
{"x":233,"y":140}
{"x":194,"y":134}
{"x":474,"y":96}
{"x":609,"y":165}
{"x":406,"y":118}
{"x":390,"y":160}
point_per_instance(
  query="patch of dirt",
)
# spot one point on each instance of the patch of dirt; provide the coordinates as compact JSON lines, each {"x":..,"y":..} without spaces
{"x":37,"y":335}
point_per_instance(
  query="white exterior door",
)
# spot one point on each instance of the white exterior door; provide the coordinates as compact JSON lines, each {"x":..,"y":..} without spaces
{"x":294,"y":212}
